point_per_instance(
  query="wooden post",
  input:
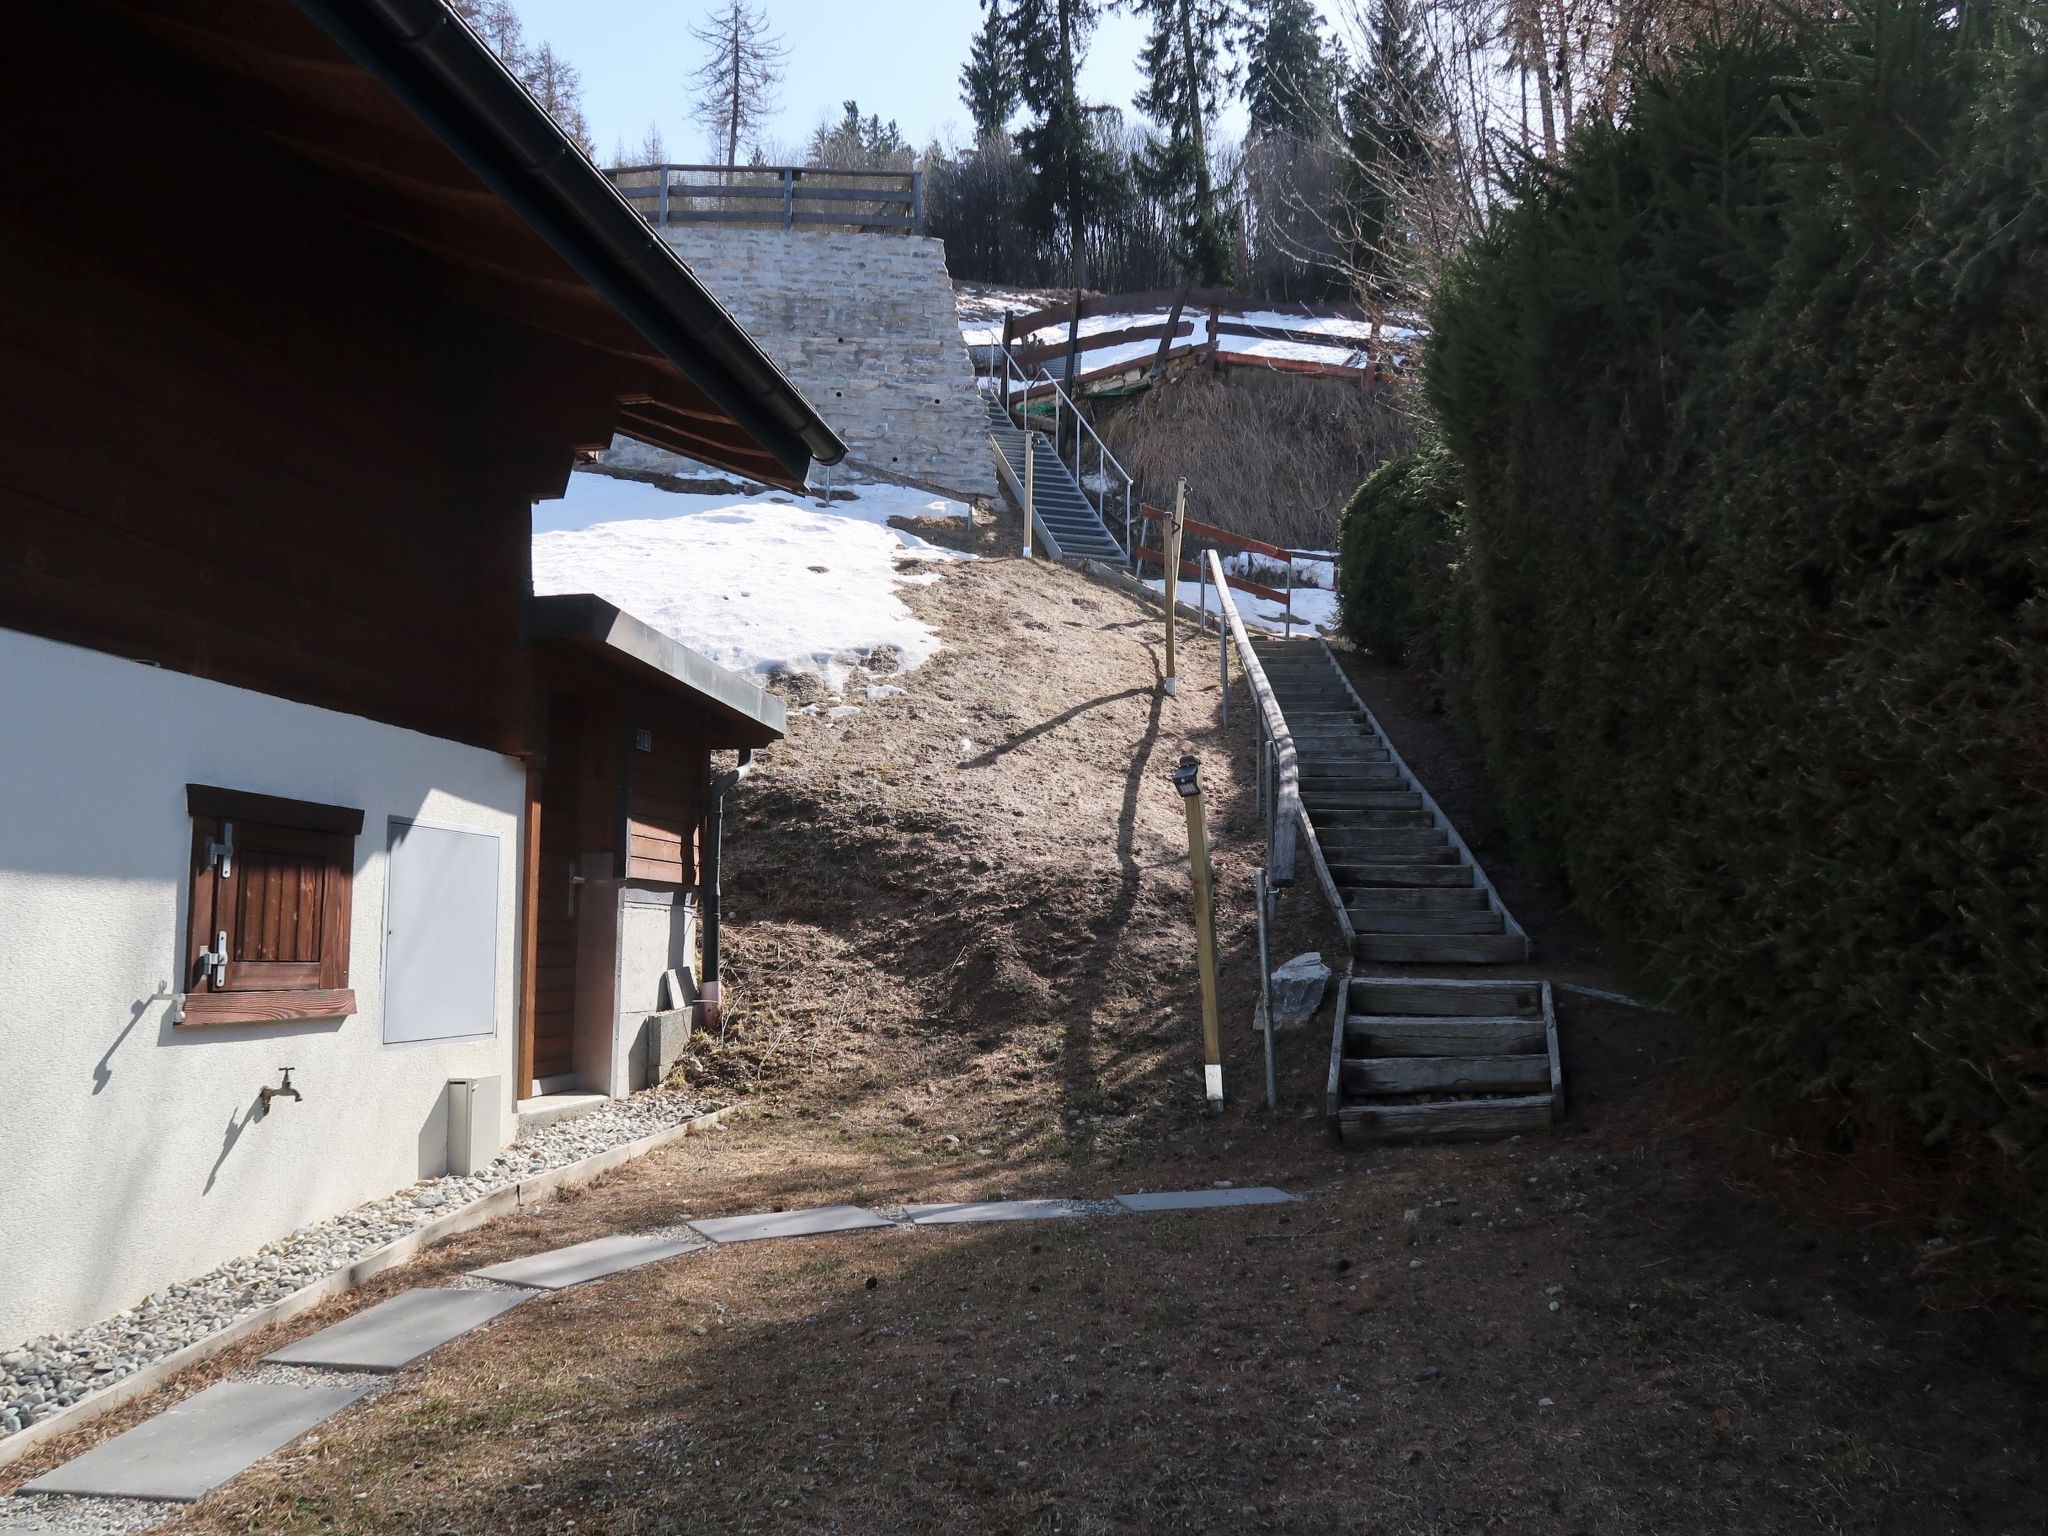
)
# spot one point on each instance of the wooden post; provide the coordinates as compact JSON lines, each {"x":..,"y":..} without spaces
{"x":1172,"y":542}
{"x":1186,"y":780}
{"x":529,"y":931}
{"x":1030,"y":487}
{"x":661,"y":200}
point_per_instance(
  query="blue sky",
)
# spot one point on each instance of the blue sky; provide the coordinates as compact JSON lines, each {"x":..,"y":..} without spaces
{"x":897,"y":58}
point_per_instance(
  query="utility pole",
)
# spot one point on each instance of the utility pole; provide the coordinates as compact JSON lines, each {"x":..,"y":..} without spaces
{"x":1187,"y":782}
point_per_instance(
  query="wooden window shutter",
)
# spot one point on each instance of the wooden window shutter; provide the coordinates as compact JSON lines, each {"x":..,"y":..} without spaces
{"x":271,"y":911}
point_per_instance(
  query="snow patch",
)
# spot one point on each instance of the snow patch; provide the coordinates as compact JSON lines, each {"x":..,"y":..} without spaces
{"x":769,"y":585}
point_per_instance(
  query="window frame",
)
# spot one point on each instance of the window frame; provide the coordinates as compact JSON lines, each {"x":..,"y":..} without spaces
{"x":280,"y":990}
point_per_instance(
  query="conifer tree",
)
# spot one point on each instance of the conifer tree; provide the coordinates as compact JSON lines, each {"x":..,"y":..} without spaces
{"x":1393,"y":115}
{"x":1070,"y":178}
{"x":1189,"y":66}
{"x":988,"y":80}
{"x":1290,"y":78}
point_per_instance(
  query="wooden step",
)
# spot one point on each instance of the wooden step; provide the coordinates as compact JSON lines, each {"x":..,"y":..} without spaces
{"x":1372,"y":816}
{"x":1441,"y":948}
{"x":1448,"y":1119}
{"x":1386,"y":800}
{"x":1399,"y":997}
{"x":1355,"y":876}
{"x":1447,"y":1074}
{"x":1365,"y":920}
{"x":1395,"y":841}
{"x":1468,"y":900}
{"x":1387,"y":1034}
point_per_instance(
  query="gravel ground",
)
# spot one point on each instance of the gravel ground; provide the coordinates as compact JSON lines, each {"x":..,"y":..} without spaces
{"x":50,"y":1373}
{"x":57,"y":1513}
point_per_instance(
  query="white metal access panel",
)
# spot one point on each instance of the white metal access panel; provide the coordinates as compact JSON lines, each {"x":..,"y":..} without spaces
{"x":440,"y":934}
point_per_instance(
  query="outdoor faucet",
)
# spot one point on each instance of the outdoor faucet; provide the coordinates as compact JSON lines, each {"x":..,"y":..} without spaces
{"x":266,"y":1093}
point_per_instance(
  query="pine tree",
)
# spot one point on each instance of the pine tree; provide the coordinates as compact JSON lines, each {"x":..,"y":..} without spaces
{"x":988,"y":80}
{"x":734,"y":89}
{"x":1290,"y":78}
{"x":1188,"y":68}
{"x":1394,"y":115}
{"x":1070,"y":178}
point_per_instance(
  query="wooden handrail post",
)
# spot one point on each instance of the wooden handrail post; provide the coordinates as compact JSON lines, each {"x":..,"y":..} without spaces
{"x":788,"y":197}
{"x":1173,"y":530}
{"x":1186,"y":779}
{"x":661,"y":200}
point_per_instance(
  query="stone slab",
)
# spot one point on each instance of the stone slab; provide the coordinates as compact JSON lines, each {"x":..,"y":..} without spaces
{"x":564,"y":1267}
{"x":1202,"y":1199}
{"x":991,"y":1210}
{"x":394,"y":1333}
{"x":812,"y":1223}
{"x":193,"y":1447}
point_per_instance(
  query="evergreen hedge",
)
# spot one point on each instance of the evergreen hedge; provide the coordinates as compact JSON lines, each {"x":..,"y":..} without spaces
{"x":1749,"y":407}
{"x":1396,"y":558}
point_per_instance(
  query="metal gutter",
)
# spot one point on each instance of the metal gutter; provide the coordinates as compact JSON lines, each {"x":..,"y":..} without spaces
{"x":447,"y":77}
{"x":580,"y":616}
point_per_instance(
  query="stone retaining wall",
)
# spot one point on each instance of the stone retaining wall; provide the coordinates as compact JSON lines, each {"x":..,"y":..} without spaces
{"x":865,"y":326}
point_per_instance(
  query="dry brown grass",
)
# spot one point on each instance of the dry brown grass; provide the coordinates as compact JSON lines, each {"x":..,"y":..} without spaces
{"x":968,"y":974}
{"x":1272,"y":456}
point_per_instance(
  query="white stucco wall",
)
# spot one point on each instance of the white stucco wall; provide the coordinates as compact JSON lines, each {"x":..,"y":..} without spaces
{"x":131,"y":1155}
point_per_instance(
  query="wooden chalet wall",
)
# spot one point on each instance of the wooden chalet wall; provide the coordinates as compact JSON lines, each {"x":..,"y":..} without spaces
{"x":241,"y":434}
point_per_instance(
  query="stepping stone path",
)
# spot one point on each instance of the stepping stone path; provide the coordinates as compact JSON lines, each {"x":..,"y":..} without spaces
{"x":391,"y":1335}
{"x":1203,"y":1199}
{"x":196,"y":1445}
{"x":589,"y":1261}
{"x":813,"y":1223}
{"x":992,"y":1210}
{"x":190,"y":1449}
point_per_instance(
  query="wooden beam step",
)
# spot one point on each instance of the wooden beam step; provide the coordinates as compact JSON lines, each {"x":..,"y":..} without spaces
{"x":1470,"y":899}
{"x":1389,"y":997}
{"x":1397,"y":841}
{"x":1373,"y":816}
{"x":1355,"y":875}
{"x":1387,"y":800}
{"x":1378,"y":1034}
{"x":1449,"y":1119}
{"x":1365,"y":920}
{"x":1441,"y":948}
{"x":1446,"y":1074}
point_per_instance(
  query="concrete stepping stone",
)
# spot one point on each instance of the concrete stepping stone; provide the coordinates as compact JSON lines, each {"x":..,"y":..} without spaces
{"x":991,"y":1210}
{"x":190,"y":1449}
{"x":564,"y":1267}
{"x":1202,"y":1199}
{"x":394,"y":1333}
{"x":812,"y":1223}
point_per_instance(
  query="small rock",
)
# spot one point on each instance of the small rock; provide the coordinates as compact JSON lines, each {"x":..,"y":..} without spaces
{"x":1427,"y":1373}
{"x":1298,"y":988}
{"x":1556,"y":1305}
{"x":1415,"y":1263}
{"x":1544,"y":1402}
{"x":1411,"y":1217}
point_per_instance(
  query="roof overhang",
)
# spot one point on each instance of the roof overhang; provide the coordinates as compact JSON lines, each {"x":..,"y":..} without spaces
{"x":619,"y":642}
{"x":420,"y":130}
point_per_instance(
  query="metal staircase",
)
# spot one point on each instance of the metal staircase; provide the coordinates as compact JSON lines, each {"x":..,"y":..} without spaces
{"x":1069,"y":523}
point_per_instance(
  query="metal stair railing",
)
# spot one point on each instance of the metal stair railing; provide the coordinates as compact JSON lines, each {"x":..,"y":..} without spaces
{"x":1105,"y":461}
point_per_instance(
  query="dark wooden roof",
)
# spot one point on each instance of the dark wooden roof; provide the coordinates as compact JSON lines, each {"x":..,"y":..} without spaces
{"x":403,"y":121}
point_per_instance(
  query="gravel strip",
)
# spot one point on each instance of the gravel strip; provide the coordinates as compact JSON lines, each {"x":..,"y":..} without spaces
{"x":53,"y":1372}
{"x":86,"y":1517}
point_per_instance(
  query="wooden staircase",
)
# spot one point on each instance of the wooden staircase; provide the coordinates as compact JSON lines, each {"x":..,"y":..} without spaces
{"x":1443,"y":1059}
{"x":1405,"y":885}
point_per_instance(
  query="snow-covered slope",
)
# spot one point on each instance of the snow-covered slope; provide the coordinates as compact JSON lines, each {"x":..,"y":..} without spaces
{"x":769,"y":584}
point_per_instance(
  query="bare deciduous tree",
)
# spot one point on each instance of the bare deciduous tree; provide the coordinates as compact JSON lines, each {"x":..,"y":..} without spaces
{"x":733,"y":91}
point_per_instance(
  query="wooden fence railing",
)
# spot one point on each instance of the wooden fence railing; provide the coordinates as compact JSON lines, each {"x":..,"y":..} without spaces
{"x":784,"y":195}
{"x":1194,"y":570}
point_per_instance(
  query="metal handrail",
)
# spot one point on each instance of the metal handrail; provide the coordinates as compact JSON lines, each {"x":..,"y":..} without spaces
{"x":1280,"y":771}
{"x":1104,"y":459}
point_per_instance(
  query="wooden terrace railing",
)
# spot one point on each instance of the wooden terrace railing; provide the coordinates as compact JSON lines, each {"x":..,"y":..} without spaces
{"x":781,"y":195}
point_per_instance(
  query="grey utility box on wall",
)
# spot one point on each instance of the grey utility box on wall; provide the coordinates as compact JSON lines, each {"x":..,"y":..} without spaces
{"x":476,"y":1118}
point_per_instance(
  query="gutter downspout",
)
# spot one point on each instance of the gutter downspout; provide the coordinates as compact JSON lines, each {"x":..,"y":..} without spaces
{"x":714,"y":839}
